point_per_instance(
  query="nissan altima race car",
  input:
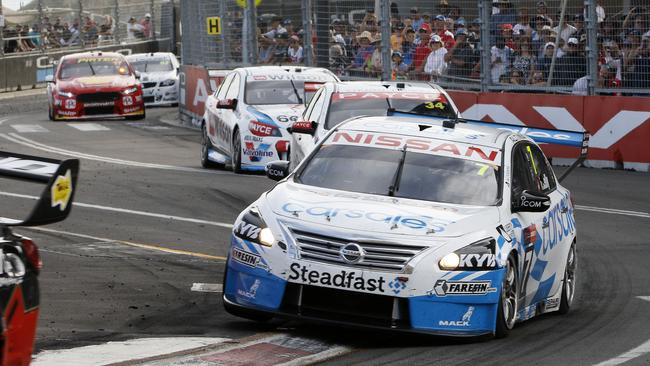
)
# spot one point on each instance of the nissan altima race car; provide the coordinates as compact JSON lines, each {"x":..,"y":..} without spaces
{"x":20,"y":261}
{"x":412,"y":224}
{"x":158,"y":75}
{"x":245,"y":120}
{"x":336,"y":102}
{"x":94,"y":85}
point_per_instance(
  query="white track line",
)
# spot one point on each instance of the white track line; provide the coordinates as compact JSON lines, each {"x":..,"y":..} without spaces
{"x":613,"y":211}
{"x":206,"y":287}
{"x":132,"y":212}
{"x":114,"y":352}
{"x":16,"y":138}
{"x":627,"y":356}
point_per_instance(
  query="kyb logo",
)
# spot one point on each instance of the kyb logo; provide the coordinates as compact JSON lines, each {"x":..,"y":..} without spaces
{"x":463,"y":322}
{"x":446,"y":288}
{"x":478,"y":260}
{"x":248,"y":231}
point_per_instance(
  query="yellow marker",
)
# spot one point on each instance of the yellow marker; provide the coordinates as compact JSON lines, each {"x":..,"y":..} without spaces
{"x":61,"y":191}
{"x":530,"y":153}
{"x":213,"y":25}
{"x":244,"y":3}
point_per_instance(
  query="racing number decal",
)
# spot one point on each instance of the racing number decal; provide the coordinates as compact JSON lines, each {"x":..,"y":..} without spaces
{"x":432,"y":105}
{"x":528,"y":260}
{"x":284,"y":118}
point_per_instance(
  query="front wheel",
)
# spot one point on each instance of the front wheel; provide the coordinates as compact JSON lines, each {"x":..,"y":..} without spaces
{"x":508,"y":300}
{"x":206,"y":145}
{"x":236,"y":152}
{"x":569,"y":285}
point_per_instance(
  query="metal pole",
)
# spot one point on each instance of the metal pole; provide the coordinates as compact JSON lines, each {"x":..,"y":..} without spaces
{"x":2,"y":31}
{"x":116,"y":31}
{"x":39,"y":6}
{"x":152,"y":23}
{"x":322,"y":33}
{"x":485,"y":8}
{"x":244,"y":33}
{"x":385,"y":40}
{"x":592,"y":45}
{"x":81,"y":33}
{"x":557,"y":43}
{"x":225,"y":38}
{"x":252,"y":34}
{"x":308,"y":47}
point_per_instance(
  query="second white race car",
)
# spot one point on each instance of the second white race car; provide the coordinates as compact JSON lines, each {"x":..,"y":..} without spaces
{"x":158,"y":76}
{"x":246,"y":119}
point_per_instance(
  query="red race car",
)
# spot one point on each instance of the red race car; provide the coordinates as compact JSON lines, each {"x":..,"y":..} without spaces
{"x":20,"y":261}
{"x":94,"y":85}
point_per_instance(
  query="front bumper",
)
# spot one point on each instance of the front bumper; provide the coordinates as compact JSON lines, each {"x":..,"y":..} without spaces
{"x":257,"y":288}
{"x":160,"y":95}
{"x":116,"y":106}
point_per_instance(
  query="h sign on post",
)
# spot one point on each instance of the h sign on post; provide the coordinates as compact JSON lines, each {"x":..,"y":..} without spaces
{"x":213,"y":25}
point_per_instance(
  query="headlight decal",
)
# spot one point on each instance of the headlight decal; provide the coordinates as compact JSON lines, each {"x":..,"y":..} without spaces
{"x":253,"y":228}
{"x":479,"y":256}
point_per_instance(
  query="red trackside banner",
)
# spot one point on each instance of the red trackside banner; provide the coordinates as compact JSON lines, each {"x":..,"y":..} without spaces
{"x":619,"y":126}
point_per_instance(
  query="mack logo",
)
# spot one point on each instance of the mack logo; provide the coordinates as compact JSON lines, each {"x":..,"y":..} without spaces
{"x":444,"y":288}
{"x":246,"y":258}
{"x":343,"y":279}
{"x":463,"y":322}
{"x":478,"y":260}
{"x":248,"y":231}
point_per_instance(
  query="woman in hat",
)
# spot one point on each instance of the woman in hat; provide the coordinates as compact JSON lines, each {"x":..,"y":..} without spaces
{"x":364,"y":51}
{"x":436,"y":65}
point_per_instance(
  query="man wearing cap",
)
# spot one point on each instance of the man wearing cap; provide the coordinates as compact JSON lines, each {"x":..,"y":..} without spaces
{"x":408,"y":47}
{"x":398,"y":67}
{"x":421,"y":51}
{"x":416,"y":17}
{"x":461,"y":58}
{"x":146,"y":26}
{"x":571,"y":66}
{"x":440,"y":29}
{"x":397,"y":37}
{"x":544,"y":62}
{"x":501,"y":58}
{"x":274,"y":28}
{"x":436,"y":65}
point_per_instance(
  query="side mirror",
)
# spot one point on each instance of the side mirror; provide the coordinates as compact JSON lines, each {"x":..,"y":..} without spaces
{"x":277,"y":170}
{"x":227,"y":104}
{"x":306,"y":127}
{"x":137,"y":74}
{"x":49,"y":78}
{"x":528,"y":201}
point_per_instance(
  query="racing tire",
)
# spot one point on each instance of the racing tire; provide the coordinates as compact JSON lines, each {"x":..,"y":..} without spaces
{"x":250,"y":314}
{"x":206,"y":145}
{"x":569,"y":283}
{"x":50,"y":114}
{"x":236,"y":152}
{"x":508,"y":300}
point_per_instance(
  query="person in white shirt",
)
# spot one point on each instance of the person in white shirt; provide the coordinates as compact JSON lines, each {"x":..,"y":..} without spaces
{"x":435,"y":64}
{"x":295,"y":50}
{"x":134,"y":30}
{"x":501,"y":58}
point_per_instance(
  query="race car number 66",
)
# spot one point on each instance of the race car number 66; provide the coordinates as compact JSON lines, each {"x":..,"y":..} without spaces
{"x":284,"y":118}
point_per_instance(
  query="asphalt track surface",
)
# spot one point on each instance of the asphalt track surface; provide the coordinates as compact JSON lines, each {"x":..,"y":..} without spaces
{"x":107,"y":276}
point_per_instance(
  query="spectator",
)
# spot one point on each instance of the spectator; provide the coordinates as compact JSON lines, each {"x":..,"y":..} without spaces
{"x":34,"y":35}
{"x":295,"y":50}
{"x":364,"y":51}
{"x":500,"y":57}
{"x":90,"y":31}
{"x":517,"y":78}
{"x":542,"y":9}
{"x":146,"y":26}
{"x":606,"y":79}
{"x":374,"y":63}
{"x":408,"y":47}
{"x":134,"y":30}
{"x":566,"y":32}
{"x":525,"y":60}
{"x":435,"y":64}
{"x":538,"y":79}
{"x":571,"y":66}
{"x":507,"y":35}
{"x":461,"y":58}
{"x":396,"y":37}
{"x":440,"y":29}
{"x":274,"y":28}
{"x":416,"y":18}
{"x":505,"y":14}
{"x":398,"y":67}
{"x":640,"y":66}
{"x":544,"y":62}
{"x":523,"y":23}
{"x":421,"y":52}
{"x":288,"y":26}
{"x":579,"y":25}
{"x":106,"y":29}
{"x":338,"y":56}
{"x":474,"y":36}
{"x":281,"y":49}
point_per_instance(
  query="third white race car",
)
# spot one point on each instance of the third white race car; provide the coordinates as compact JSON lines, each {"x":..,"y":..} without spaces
{"x":158,"y":76}
{"x":246,"y":119}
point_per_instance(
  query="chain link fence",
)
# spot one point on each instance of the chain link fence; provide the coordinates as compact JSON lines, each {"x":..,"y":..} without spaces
{"x":581,"y":47}
{"x":44,"y":25}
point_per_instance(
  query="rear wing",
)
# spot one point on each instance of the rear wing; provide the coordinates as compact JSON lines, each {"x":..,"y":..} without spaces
{"x":547,"y":136}
{"x":60,"y":176}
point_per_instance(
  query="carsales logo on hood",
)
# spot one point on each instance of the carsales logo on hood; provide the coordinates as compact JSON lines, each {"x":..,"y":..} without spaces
{"x":397,"y":220}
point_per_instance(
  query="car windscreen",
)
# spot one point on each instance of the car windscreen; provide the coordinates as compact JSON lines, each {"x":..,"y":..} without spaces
{"x":153,"y":64}
{"x":261,"y":92}
{"x":93,"y":66}
{"x":348,"y":105}
{"x":423,"y":176}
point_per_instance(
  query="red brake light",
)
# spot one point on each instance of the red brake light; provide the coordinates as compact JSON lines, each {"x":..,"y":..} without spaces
{"x":282,"y":146}
{"x":32,"y":255}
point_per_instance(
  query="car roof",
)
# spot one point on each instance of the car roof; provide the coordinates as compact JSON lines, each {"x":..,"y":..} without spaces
{"x":427,"y":127}
{"x":286,"y":70}
{"x":93,"y":54}
{"x":149,"y":54}
{"x":385,"y":86}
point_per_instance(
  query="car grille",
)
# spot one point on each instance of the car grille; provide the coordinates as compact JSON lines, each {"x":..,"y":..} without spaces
{"x":149,"y":99}
{"x":379,"y":255}
{"x":345,"y":306}
{"x":98,"y":97}
{"x":149,"y":84}
{"x":94,"y":111}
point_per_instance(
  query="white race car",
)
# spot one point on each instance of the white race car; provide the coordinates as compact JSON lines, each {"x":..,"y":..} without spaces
{"x":246,"y":119}
{"x":158,"y":76}
{"x":412,"y":224}
{"x":333,"y":103}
